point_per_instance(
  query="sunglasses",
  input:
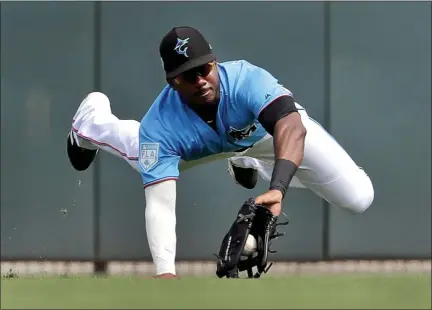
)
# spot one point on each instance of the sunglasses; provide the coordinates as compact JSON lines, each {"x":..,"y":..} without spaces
{"x":191,"y":75}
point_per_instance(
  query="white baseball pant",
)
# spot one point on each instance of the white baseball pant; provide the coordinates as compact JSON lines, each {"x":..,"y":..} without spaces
{"x":326,"y":168}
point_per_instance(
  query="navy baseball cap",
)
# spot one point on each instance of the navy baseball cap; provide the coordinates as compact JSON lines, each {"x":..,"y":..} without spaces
{"x":182,"y":49}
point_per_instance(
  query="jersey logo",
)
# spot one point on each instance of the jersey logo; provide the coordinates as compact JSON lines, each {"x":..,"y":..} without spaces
{"x":180,"y":47}
{"x":149,"y":155}
{"x":242,"y":133}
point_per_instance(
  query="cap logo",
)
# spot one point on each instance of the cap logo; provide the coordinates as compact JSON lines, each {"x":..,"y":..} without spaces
{"x":180,"y":47}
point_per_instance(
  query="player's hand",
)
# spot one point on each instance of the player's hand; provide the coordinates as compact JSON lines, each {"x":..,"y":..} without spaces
{"x":166,"y":276}
{"x":272,"y":200}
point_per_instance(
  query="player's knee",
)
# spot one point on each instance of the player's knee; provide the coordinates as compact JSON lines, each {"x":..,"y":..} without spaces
{"x":363,"y":195}
{"x":95,"y":101}
{"x":98,"y":97}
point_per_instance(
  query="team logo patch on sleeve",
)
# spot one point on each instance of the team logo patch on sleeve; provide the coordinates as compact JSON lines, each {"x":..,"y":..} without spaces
{"x":149,"y":155}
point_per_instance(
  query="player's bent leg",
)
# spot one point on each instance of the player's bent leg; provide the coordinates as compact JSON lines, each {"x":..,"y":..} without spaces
{"x":326,"y":168}
{"x":331,"y":173}
{"x":352,"y":191}
{"x":94,"y":127}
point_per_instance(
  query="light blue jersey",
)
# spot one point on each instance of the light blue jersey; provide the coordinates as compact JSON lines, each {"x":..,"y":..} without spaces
{"x":171,"y":131}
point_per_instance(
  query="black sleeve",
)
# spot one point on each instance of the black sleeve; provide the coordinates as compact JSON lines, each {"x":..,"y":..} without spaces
{"x":276,"y":110}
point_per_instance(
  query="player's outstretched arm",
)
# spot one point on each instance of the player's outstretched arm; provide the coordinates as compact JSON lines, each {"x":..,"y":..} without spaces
{"x":289,"y":136}
{"x":282,"y":120}
{"x":277,"y":112}
{"x":160,"y":218}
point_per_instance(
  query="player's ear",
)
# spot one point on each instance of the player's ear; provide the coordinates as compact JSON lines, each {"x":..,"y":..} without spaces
{"x":172,"y":82}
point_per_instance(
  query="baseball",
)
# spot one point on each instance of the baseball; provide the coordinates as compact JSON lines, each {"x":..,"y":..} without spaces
{"x":250,"y":246}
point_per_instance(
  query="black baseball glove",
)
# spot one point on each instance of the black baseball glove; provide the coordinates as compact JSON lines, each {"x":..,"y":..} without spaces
{"x":258,"y":221}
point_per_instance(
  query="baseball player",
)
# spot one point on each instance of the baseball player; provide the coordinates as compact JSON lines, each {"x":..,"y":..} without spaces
{"x":209,"y":111}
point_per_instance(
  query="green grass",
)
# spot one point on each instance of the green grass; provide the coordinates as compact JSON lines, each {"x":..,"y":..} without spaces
{"x":329,"y":291}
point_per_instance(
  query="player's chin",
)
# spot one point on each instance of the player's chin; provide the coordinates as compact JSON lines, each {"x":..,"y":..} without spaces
{"x":208,"y":98}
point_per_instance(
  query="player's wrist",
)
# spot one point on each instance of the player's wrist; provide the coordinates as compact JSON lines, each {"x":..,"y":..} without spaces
{"x":277,"y":192}
{"x":283,"y":172}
